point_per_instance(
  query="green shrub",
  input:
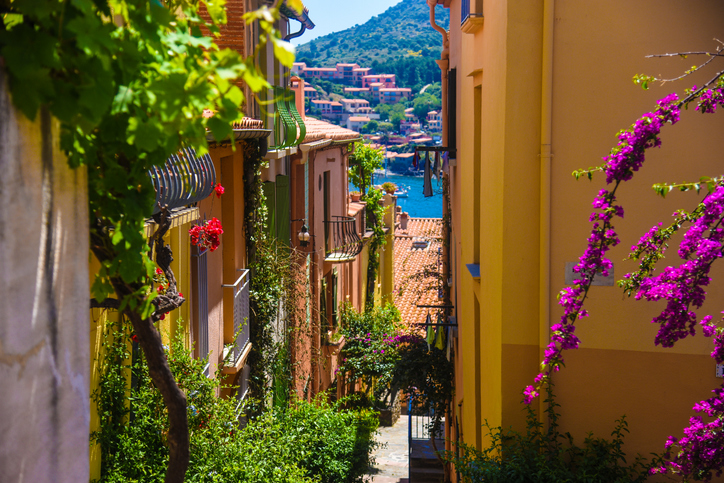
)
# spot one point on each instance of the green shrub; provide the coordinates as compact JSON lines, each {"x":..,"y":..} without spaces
{"x":330,"y":443}
{"x":308,"y":442}
{"x":370,"y":353}
{"x":546,"y":455}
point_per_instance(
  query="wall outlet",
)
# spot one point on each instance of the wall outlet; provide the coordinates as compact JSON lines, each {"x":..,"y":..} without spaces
{"x":720,"y":370}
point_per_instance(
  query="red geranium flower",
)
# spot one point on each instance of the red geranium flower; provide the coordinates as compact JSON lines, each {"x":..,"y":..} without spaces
{"x":207,"y":235}
{"x":219,"y":190}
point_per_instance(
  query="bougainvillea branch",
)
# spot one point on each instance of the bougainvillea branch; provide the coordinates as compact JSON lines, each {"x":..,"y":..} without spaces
{"x":701,"y":450}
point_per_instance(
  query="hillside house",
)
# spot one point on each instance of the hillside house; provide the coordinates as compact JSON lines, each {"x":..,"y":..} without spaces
{"x":394,"y":95}
{"x":434,"y":121}
{"x":387,"y":80}
{"x":355,"y":123}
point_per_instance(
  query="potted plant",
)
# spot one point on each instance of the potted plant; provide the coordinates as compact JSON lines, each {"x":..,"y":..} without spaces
{"x":355,"y":195}
{"x":389,"y":187}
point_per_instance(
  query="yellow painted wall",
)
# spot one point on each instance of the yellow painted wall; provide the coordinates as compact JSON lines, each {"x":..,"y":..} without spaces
{"x":598,"y":47}
{"x":175,"y":322}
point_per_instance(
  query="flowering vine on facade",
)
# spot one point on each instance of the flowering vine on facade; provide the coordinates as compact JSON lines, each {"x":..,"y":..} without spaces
{"x":701,"y":449}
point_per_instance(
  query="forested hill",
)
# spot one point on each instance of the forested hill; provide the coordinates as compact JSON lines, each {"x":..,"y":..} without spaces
{"x":400,"y":36}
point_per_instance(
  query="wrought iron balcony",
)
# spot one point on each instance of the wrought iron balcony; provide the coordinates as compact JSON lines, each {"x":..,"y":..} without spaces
{"x":186,"y":179}
{"x":343,"y":243}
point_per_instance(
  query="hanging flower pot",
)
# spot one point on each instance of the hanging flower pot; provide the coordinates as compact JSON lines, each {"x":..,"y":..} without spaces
{"x":207,"y":234}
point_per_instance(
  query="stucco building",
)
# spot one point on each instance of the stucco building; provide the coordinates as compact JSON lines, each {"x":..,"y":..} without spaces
{"x":533,"y":90}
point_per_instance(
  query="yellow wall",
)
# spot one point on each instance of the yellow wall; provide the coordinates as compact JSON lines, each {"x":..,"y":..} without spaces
{"x":598,"y":47}
{"x":175,"y":321}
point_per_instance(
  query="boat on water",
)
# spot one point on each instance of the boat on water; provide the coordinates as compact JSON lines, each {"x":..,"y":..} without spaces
{"x":401,"y":191}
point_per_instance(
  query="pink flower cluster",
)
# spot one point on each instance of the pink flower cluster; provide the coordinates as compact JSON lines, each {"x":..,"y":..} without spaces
{"x":683,"y":287}
{"x":701,"y":452}
{"x":626,"y":158}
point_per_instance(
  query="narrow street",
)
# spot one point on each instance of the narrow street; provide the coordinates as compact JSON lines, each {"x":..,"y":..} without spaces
{"x":391,"y":459}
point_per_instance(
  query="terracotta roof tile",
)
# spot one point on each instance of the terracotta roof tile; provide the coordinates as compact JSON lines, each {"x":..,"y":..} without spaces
{"x":318,"y":130}
{"x":244,"y":123}
{"x":416,"y":281}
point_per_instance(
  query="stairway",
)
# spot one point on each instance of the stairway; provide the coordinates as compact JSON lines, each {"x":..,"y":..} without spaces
{"x":424,"y":465}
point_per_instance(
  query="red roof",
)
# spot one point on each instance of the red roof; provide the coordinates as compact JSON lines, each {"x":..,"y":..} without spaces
{"x":415,"y":268}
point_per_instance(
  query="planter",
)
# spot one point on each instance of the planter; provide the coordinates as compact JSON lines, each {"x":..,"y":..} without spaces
{"x":389,"y":416}
{"x":355,"y":196}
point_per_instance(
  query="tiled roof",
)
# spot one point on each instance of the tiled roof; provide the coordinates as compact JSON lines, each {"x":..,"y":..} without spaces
{"x":416,"y":268}
{"x":318,"y":130}
{"x":359,"y":118}
{"x":244,"y":123}
{"x":395,"y":89}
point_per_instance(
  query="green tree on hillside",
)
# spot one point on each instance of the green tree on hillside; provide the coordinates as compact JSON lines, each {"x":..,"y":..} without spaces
{"x":423,"y":104}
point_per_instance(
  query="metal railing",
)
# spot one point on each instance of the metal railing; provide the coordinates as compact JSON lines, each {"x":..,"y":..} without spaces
{"x":344,"y":243}
{"x":184,"y":180}
{"x":466,"y":12}
{"x":241,"y":313}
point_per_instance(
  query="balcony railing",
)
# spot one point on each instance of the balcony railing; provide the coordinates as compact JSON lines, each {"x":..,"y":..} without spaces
{"x":471,"y":15}
{"x":344,"y":243}
{"x":241,"y":314}
{"x":184,"y":180}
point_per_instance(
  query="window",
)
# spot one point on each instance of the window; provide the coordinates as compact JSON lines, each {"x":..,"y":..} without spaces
{"x":471,"y":15}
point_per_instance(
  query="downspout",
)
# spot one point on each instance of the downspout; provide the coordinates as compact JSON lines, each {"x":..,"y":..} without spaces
{"x":444,"y":64}
{"x":545,"y":172}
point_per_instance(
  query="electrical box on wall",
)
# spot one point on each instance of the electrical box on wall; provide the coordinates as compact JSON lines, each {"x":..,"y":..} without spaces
{"x":599,"y":279}
{"x":720,"y":370}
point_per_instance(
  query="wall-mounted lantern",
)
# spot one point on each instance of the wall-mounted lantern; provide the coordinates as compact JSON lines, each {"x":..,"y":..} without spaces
{"x":304,"y":235}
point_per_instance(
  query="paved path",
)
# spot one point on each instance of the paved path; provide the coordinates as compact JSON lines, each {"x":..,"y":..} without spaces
{"x":391,"y":459}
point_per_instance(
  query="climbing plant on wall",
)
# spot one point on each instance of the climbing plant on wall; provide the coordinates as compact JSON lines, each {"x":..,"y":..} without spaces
{"x":128,"y":82}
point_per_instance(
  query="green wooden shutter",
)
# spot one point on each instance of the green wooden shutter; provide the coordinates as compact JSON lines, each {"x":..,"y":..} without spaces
{"x":335,"y":301}
{"x":270,"y":194}
{"x":323,"y":322}
{"x":283,"y":217}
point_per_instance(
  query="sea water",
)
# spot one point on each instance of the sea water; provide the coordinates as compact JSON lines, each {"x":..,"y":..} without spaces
{"x":415,"y":204}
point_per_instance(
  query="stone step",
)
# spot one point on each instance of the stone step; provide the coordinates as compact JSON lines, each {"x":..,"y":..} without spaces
{"x":426,"y":475}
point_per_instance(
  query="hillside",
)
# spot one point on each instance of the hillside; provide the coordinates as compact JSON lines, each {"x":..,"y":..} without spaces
{"x":389,"y":37}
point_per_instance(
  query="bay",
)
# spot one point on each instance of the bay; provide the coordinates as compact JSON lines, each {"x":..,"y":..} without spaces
{"x":415,"y":204}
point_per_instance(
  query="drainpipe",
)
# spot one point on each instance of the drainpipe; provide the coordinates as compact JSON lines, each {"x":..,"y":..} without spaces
{"x":545,"y":173}
{"x":299,"y":95}
{"x":444,"y":64}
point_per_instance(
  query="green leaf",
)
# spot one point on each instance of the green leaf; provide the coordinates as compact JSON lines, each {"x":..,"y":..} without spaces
{"x":296,"y":5}
{"x":284,"y":51}
{"x":220,"y":129}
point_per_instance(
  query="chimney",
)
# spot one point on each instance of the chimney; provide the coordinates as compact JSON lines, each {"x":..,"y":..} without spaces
{"x":297,"y":85}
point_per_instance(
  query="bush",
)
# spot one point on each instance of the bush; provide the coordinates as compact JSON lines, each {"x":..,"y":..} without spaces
{"x":543,"y":456}
{"x":308,"y":442}
{"x":370,"y":353}
{"x":330,"y":443}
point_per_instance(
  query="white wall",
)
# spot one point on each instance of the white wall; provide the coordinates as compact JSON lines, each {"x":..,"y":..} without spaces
{"x":44,"y":301}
